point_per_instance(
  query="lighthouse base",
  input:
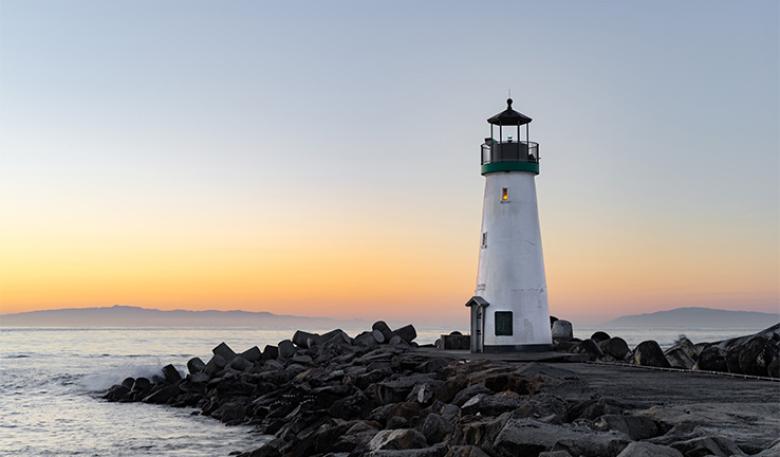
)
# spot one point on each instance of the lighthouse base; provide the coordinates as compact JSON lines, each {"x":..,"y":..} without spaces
{"x":518,"y":348}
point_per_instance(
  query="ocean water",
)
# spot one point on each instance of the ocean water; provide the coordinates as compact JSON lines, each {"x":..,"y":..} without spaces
{"x":50,"y":380}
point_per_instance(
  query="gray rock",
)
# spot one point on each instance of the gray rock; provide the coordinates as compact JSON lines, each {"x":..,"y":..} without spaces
{"x":241,"y":364}
{"x":216,"y":364}
{"x":529,"y":436}
{"x":252,"y":354}
{"x":649,"y":353}
{"x":270,"y":352}
{"x":305,"y":339}
{"x":466,"y":451}
{"x":408,"y":438}
{"x":554,"y":454}
{"x":379,"y":337}
{"x":162,"y":394}
{"x":384,"y":328}
{"x":708,"y":445}
{"x":644,"y":449}
{"x":682,"y":354}
{"x":492,"y":405}
{"x":562,"y":330}
{"x":615,"y":347}
{"x":435,"y":428}
{"x":199,"y":378}
{"x":366,"y":339}
{"x":438,"y":450}
{"x":407,"y":333}
{"x":195,"y":365}
{"x":469,"y":392}
{"x":635,"y":427}
{"x":396,"y":340}
{"x":224,"y":351}
{"x":712,"y":358}
{"x":286,"y":349}
{"x":171,"y":374}
{"x":588,"y":347}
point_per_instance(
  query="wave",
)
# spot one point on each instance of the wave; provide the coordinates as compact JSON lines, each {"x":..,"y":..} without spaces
{"x":101,"y":380}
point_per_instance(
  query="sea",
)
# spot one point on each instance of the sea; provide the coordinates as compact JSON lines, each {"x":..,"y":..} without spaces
{"x":51,"y":381}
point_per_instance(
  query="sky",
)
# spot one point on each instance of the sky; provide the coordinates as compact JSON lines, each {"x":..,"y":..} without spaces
{"x":322,"y":158}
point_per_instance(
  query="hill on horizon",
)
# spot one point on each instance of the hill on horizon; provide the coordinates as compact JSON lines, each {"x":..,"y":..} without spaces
{"x":697,"y":317}
{"x":135,"y":316}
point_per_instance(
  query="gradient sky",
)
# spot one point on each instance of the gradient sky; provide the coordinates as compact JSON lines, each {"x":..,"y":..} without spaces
{"x":321,"y":158}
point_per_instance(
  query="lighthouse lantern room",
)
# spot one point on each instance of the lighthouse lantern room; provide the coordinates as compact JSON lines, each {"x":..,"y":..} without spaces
{"x":509,"y":309}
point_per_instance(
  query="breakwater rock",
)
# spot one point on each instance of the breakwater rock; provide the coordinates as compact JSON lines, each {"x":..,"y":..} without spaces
{"x":376,"y":394}
{"x":755,"y":355}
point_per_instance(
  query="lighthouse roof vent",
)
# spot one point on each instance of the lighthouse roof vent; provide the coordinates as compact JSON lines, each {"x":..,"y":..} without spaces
{"x":509,"y":116}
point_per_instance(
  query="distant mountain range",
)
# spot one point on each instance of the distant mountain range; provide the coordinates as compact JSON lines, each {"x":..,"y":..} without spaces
{"x":133,"y":316}
{"x":697,"y":318}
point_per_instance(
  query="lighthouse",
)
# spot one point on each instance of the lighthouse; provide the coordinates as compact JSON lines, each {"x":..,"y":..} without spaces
{"x":509,"y":309}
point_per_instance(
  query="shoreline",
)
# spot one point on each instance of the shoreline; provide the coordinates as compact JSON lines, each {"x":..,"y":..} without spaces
{"x":380,"y":394}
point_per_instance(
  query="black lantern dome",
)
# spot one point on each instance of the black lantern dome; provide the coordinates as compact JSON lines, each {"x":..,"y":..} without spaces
{"x":509,"y":116}
{"x":508,"y":152}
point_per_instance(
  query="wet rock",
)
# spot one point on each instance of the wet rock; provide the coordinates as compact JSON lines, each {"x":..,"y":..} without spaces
{"x":599,"y":336}
{"x":616,"y":348}
{"x":644,"y":449}
{"x":406,"y":333}
{"x":171,"y":374}
{"x":562,"y":330}
{"x":224,"y":351}
{"x":162,"y":394}
{"x":117,"y":392}
{"x":649,"y":353}
{"x":397,"y":439}
{"x":195,"y":365}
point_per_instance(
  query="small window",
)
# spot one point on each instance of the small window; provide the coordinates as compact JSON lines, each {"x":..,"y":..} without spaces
{"x":504,"y":194}
{"x":484,"y":240}
{"x":503,"y":323}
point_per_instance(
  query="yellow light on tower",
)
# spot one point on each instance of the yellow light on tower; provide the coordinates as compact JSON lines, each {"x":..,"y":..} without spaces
{"x":504,"y":194}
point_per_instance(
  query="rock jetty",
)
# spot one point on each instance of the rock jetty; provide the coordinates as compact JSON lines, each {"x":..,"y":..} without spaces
{"x":377,"y":394}
{"x":755,"y":355}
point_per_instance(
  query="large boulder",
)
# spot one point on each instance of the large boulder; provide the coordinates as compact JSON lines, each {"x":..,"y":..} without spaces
{"x":599,"y":336}
{"x":754,"y":356}
{"x":530,"y":437}
{"x":712,"y":358}
{"x":252,"y":354}
{"x":171,"y":374}
{"x":305,"y":339}
{"x":435,"y":428}
{"x":615,"y":347}
{"x":562,"y":330}
{"x":286,"y":349}
{"x":649,"y":354}
{"x":224,"y":351}
{"x":407,"y":333}
{"x":270,"y":352}
{"x":195,"y":365}
{"x":644,"y":449}
{"x":385,"y":329}
{"x":682,"y":354}
{"x":588,"y":347}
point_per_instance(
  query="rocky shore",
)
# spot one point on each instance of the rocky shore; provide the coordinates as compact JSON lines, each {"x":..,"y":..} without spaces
{"x":378,"y":394}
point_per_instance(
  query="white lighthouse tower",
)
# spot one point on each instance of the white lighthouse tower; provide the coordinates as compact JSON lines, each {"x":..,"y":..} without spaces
{"x":509,"y":307}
